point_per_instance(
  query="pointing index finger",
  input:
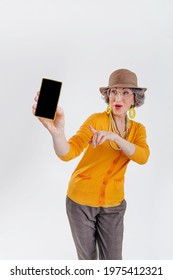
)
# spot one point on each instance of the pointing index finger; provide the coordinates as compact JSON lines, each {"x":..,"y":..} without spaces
{"x":92,"y":129}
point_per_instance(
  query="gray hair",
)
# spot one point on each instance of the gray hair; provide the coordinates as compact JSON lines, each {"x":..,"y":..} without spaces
{"x":139,"y":96}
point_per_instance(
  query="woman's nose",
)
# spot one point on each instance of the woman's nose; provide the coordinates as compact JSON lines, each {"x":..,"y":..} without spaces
{"x":118,"y":97}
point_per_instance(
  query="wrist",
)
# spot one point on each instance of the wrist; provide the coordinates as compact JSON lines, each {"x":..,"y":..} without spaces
{"x":57,"y":133}
{"x":116,"y":136}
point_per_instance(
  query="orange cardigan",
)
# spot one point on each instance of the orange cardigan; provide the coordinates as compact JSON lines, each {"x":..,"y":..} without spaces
{"x":98,"y":179}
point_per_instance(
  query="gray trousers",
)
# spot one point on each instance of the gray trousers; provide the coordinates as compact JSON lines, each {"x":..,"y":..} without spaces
{"x":97,"y":231}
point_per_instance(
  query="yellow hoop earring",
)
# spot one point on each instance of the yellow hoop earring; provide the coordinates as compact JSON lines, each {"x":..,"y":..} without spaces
{"x":132,"y":113}
{"x":108,"y":109}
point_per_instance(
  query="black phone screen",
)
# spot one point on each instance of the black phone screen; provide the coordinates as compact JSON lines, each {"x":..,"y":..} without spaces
{"x":48,"y":98}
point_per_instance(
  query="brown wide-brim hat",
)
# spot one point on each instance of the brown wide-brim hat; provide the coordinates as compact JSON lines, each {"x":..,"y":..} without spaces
{"x":122,"y":78}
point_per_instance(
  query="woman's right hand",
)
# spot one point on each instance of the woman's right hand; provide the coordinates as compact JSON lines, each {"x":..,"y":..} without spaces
{"x":56,"y":126}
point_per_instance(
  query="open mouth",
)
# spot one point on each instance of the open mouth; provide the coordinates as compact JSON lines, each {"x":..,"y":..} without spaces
{"x":118,"y":106}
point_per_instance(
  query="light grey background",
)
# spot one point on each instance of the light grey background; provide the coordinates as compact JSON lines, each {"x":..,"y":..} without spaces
{"x":81,"y":42}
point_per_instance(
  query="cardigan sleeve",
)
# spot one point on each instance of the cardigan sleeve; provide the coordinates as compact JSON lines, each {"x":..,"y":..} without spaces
{"x":142,"y":150}
{"x":79,"y":141}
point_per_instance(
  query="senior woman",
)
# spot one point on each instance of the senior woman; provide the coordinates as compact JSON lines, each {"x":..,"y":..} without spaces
{"x":95,"y":198}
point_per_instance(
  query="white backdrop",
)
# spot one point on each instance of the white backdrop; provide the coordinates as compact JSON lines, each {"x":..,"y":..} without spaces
{"x":81,"y":42}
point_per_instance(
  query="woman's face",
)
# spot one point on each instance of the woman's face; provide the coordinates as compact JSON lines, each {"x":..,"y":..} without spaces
{"x":120,"y":100}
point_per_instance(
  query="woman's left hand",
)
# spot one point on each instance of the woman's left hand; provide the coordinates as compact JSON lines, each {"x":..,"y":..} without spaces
{"x":100,"y":136}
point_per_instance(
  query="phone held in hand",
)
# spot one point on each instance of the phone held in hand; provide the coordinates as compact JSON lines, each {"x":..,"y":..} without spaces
{"x":48,"y":99}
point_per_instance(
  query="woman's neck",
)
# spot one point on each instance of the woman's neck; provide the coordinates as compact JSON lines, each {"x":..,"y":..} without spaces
{"x":119,"y":119}
{"x":120,"y":122}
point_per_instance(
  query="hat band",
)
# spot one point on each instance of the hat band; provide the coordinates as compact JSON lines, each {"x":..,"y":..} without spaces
{"x":102,"y":89}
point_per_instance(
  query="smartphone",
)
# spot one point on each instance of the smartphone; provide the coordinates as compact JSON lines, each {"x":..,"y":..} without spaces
{"x":48,"y":99}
